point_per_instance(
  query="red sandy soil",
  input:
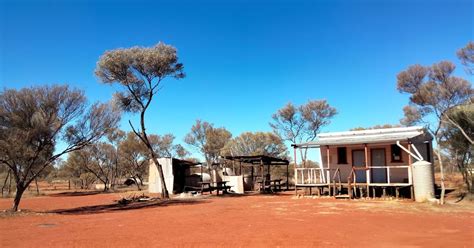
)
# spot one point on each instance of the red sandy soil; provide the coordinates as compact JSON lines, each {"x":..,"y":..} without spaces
{"x":248,"y":221}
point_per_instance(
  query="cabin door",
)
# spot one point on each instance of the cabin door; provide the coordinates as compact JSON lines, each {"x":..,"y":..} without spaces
{"x":358,"y":160}
{"x":377,"y":157}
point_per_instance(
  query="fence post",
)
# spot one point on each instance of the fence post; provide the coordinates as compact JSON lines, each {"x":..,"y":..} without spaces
{"x":388,"y":174}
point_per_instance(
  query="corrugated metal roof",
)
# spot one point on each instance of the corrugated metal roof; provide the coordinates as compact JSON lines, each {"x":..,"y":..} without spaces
{"x":366,"y":136}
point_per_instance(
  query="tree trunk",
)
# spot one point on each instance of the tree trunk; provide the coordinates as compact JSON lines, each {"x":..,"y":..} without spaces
{"x":467,"y":179}
{"x":303,"y":158}
{"x":143,"y":136}
{"x":441,"y":168}
{"x":10,"y":185}
{"x":19,"y":192}
{"x":105,"y":186}
{"x":37,"y":188}
{"x":141,"y":180}
{"x":137,"y":183}
{"x":5,"y":182}
{"x":164,"y":188}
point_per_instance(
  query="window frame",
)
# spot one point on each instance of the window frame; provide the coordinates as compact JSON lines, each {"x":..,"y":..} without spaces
{"x":392,"y":159}
{"x":345,"y":161}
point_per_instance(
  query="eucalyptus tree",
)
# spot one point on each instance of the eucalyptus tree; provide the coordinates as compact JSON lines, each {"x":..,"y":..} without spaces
{"x":466,"y":55}
{"x":258,"y":143}
{"x":33,"y":120}
{"x":164,"y":146}
{"x":298,"y":124}
{"x":434,"y":92}
{"x":140,"y":71}
{"x":74,"y":170}
{"x":100,"y":160}
{"x":133,"y":157}
{"x":208,"y":140}
{"x":113,"y":139}
{"x":460,"y":150}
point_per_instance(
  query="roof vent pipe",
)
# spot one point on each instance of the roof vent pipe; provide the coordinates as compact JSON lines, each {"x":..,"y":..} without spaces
{"x":417,"y":152}
{"x":410,"y":153}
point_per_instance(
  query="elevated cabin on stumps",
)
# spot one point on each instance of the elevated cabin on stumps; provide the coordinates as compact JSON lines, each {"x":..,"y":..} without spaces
{"x":365,"y":163}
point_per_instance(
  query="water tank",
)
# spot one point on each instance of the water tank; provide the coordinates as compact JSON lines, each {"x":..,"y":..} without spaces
{"x":205,"y":176}
{"x":423,"y":183}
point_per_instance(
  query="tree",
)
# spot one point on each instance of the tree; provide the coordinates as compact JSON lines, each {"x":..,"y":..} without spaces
{"x":466,"y":55}
{"x":164,"y":146}
{"x":114,"y":138}
{"x":73,"y":170}
{"x":375,"y":127}
{"x":100,"y":160}
{"x":208,"y":140}
{"x":140,"y":70}
{"x":459,"y":148}
{"x":259,"y":143}
{"x":303,"y":123}
{"x":133,"y":156}
{"x":434,"y":92}
{"x":33,"y":120}
{"x":6,"y":178}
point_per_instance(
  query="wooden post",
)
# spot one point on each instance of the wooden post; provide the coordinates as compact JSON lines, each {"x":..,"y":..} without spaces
{"x":327,"y":157}
{"x":233,"y":166}
{"x":253,"y":182}
{"x":367,"y":172}
{"x":263,"y":177}
{"x":288,"y":176}
{"x":410,"y":173}
{"x":268,"y":170}
{"x":240,"y":164}
{"x":329,"y":169}
{"x":409,"y":156}
{"x":388,"y":175}
{"x":296,"y":173}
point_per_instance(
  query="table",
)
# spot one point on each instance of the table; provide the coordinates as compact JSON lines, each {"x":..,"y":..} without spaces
{"x":222,"y":186}
{"x":206,"y":186}
{"x":269,"y":184}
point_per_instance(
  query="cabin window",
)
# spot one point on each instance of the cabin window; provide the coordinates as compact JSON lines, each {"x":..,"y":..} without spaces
{"x":396,"y":153}
{"x":341,"y":155}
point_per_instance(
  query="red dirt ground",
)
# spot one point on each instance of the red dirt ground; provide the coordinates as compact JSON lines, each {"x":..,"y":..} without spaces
{"x":247,"y":221}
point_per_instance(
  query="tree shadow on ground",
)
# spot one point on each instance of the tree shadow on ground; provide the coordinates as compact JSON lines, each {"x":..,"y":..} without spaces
{"x":77,"y":193}
{"x":95,"y":209}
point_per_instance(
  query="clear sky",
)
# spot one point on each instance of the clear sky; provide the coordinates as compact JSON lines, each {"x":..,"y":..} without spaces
{"x":243,"y":59}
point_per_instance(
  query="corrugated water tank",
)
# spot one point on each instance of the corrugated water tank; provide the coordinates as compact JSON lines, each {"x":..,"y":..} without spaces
{"x":423,"y":183}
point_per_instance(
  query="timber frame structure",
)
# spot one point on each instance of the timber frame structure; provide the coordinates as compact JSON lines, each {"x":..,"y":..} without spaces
{"x":259,"y":161}
{"x":365,"y":163}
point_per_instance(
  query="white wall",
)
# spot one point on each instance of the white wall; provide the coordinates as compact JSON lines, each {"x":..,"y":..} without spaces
{"x":154,"y":182}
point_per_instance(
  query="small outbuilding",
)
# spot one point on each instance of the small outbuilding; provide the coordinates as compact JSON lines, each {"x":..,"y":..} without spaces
{"x":177,"y":174}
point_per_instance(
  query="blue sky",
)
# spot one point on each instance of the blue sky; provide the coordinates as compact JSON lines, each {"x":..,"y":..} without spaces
{"x":243,"y":59}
